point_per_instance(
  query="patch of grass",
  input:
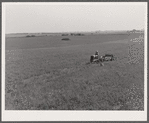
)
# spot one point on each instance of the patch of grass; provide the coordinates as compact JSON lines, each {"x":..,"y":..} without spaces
{"x":59,"y":78}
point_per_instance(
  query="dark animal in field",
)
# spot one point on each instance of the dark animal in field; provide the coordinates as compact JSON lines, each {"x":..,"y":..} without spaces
{"x":96,"y":59}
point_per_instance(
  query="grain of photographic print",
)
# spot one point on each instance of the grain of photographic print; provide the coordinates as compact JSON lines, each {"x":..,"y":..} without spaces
{"x":74,"y":61}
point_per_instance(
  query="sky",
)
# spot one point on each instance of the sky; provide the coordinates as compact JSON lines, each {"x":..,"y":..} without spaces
{"x":72,"y":17}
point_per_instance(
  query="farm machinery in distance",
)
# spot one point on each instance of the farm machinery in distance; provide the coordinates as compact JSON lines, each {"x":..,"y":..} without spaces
{"x":101,"y":59}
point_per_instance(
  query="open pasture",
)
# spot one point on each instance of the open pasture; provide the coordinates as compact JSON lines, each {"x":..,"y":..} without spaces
{"x":47,"y":73}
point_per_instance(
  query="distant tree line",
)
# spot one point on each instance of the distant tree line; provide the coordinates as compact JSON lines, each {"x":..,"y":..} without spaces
{"x":73,"y":34}
{"x":30,"y":36}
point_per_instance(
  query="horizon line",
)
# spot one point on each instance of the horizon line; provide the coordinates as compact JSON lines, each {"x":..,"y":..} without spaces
{"x":77,"y":31}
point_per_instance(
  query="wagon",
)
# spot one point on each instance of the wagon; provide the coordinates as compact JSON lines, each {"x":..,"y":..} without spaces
{"x":108,"y":57}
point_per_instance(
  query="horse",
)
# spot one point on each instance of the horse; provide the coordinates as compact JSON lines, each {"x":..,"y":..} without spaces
{"x":93,"y":58}
{"x":97,"y":59}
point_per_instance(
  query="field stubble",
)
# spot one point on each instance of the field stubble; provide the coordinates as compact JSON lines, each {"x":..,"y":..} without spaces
{"x":40,"y":77}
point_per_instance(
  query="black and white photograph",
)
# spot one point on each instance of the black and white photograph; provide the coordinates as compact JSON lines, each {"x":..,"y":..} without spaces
{"x":79,"y":61}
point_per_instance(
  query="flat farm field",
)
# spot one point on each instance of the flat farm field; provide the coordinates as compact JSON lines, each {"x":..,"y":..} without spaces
{"x":47,"y":73}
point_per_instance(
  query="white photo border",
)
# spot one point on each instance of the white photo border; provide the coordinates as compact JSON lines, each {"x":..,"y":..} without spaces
{"x":34,"y":115}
